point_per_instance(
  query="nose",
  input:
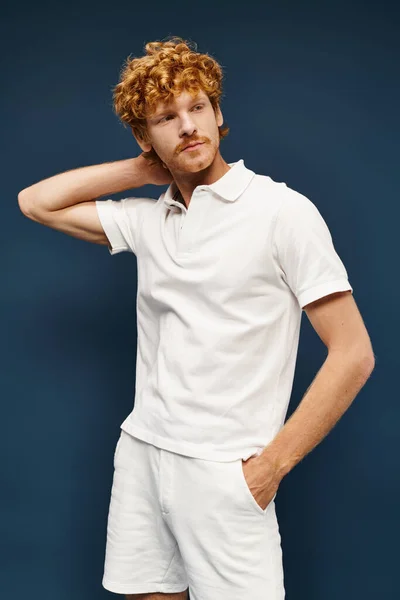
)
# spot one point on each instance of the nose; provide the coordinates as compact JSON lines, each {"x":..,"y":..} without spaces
{"x":188,"y":127}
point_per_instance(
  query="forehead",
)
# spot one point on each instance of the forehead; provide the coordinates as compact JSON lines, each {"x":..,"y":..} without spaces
{"x":178,"y":102}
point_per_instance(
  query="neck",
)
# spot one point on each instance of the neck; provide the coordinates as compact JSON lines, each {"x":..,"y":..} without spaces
{"x":187,"y":182}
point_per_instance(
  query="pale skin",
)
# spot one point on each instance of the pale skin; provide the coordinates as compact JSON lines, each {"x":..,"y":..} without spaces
{"x":335,"y":318}
{"x":183,"y":121}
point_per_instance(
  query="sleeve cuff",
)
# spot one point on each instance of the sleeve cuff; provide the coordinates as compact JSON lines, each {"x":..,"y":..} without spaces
{"x":105,"y":210}
{"x":323,"y":289}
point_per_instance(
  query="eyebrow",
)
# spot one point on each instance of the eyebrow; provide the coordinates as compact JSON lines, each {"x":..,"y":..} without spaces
{"x":198,"y":98}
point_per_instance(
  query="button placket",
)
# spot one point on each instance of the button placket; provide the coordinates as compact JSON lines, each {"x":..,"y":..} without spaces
{"x":191,"y":221}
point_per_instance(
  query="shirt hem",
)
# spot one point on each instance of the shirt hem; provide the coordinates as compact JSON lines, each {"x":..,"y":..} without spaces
{"x":204,"y":453}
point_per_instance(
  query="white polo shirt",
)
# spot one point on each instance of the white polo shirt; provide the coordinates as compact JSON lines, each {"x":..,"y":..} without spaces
{"x":221,"y":287}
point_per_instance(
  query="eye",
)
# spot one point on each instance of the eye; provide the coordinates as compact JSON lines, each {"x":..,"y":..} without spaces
{"x":166,"y":116}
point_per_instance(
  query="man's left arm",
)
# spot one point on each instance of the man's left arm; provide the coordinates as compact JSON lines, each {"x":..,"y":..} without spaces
{"x":349,"y":363}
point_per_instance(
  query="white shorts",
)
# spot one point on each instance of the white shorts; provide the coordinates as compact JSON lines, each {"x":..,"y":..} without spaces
{"x":177,"y":522}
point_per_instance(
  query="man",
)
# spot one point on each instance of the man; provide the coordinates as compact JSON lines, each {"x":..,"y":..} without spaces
{"x":227,"y":260}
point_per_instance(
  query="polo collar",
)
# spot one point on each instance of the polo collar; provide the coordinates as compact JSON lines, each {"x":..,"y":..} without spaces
{"x":228,"y":187}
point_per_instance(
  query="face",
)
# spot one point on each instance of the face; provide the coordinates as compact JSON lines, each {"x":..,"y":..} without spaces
{"x":180,"y":123}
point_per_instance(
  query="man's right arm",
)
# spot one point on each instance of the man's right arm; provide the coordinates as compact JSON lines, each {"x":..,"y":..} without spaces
{"x":66,"y":201}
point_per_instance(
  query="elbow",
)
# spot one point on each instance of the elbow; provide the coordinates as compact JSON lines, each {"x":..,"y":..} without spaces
{"x":365,"y":355}
{"x":360,"y":356}
{"x":365,"y":360}
{"x":371,"y":361}
{"x":23,"y":202}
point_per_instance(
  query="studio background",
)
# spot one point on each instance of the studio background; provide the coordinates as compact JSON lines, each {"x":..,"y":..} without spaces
{"x":311,"y":95}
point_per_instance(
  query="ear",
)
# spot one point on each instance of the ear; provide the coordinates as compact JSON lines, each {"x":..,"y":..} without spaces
{"x":219,"y":117}
{"x":145,"y":147}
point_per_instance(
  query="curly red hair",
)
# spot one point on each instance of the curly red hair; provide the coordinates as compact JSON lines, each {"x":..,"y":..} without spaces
{"x":168,"y":68}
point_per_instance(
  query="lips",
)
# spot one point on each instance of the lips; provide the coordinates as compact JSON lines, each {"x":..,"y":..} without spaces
{"x":193,"y":145}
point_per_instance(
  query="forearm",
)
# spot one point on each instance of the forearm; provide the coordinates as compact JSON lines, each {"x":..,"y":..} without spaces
{"x":83,"y":184}
{"x":335,"y":386}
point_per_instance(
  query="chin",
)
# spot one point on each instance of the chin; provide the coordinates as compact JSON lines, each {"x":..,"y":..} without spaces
{"x":203,"y":160}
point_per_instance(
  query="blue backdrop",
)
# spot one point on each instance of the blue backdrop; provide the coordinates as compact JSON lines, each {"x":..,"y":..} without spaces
{"x":311,"y":95}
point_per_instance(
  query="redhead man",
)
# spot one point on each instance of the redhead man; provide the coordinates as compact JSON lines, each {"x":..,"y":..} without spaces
{"x":227,"y":261}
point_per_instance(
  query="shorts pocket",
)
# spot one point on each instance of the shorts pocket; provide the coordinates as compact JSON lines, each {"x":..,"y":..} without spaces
{"x":252,"y":502}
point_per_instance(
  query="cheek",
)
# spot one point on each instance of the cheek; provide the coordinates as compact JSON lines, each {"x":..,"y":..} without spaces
{"x":162,"y":149}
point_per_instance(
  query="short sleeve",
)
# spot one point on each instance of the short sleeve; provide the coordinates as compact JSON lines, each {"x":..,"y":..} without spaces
{"x":304,"y":250}
{"x":121,"y":221}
